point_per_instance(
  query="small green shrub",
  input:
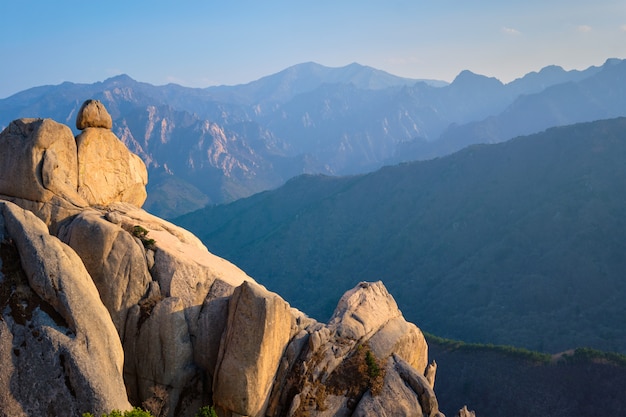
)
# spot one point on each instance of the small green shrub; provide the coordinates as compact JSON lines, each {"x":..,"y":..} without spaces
{"x":206,"y":411}
{"x":139,"y":232}
{"x":142,"y":233}
{"x":373,"y":369}
{"x":375,"y":373}
{"x":135,"y":412}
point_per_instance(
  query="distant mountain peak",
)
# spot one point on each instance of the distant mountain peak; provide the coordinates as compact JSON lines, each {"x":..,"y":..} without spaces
{"x":308,"y":76}
{"x":552,"y":69}
{"x":613,"y":61}
{"x":121,"y":79}
{"x":468,"y":78}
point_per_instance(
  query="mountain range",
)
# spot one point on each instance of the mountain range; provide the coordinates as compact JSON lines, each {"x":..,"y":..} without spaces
{"x":518,"y":243}
{"x":218,"y":144}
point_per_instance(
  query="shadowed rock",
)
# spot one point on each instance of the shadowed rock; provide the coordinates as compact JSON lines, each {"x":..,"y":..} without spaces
{"x":59,"y":350}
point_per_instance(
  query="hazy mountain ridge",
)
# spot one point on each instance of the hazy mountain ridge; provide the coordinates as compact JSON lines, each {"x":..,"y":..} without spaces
{"x":582,"y":99}
{"x":517,"y":243}
{"x":229,"y":142}
{"x":283,"y":86}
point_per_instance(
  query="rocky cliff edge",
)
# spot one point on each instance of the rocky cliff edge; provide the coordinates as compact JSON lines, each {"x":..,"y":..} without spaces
{"x":104,"y":306}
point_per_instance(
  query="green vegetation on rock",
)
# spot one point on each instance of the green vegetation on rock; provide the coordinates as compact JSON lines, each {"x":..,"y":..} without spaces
{"x":142,"y":234}
{"x":135,"y":412}
{"x":206,"y":411}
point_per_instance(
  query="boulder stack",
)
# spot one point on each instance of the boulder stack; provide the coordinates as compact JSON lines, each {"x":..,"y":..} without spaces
{"x":45,"y":169}
{"x":107,"y":171}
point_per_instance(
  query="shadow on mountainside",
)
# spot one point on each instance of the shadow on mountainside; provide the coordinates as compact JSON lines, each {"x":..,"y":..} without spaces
{"x":498,"y":381}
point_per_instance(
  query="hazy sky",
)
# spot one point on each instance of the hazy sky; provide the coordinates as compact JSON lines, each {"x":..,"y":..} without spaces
{"x":202,"y":43}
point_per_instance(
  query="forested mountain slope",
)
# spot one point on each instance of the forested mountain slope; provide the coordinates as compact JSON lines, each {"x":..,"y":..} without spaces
{"x":518,"y":243}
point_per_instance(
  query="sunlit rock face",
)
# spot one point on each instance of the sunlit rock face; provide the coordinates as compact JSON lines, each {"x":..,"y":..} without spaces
{"x":107,"y":171}
{"x":104,"y":305}
{"x":39,"y":162}
{"x":43,"y":168}
{"x":93,"y":114}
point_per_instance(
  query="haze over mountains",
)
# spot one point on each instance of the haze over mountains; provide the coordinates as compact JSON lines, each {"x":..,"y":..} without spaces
{"x":518,"y":243}
{"x":214,"y":145}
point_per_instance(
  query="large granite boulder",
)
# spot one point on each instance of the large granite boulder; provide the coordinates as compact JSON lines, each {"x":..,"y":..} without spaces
{"x":170,"y":345}
{"x":369,"y":312}
{"x":351,"y":365}
{"x":107,"y":171}
{"x":59,"y":350}
{"x":39,"y":169}
{"x":93,"y":114}
{"x":38,"y":161}
{"x":44,"y":169}
{"x":114,"y":258}
{"x":257,"y":331}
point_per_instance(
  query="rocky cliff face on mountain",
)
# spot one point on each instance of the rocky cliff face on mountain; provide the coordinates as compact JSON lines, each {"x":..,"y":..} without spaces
{"x":104,"y":306}
{"x":214,"y":145}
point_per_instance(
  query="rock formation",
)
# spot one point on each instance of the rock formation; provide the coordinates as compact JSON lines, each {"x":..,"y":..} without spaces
{"x":96,"y":289}
{"x":107,"y":171}
{"x":93,"y":114}
{"x":464,"y":412}
{"x":39,"y":168}
{"x":59,"y":350}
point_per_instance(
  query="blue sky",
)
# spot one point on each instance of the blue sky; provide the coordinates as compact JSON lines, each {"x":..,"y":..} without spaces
{"x":204,"y":43}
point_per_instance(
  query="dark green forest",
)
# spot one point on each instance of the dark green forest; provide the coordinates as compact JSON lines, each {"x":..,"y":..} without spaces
{"x":513,"y":382}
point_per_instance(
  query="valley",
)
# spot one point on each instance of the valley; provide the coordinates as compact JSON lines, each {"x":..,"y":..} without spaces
{"x":518,"y":243}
